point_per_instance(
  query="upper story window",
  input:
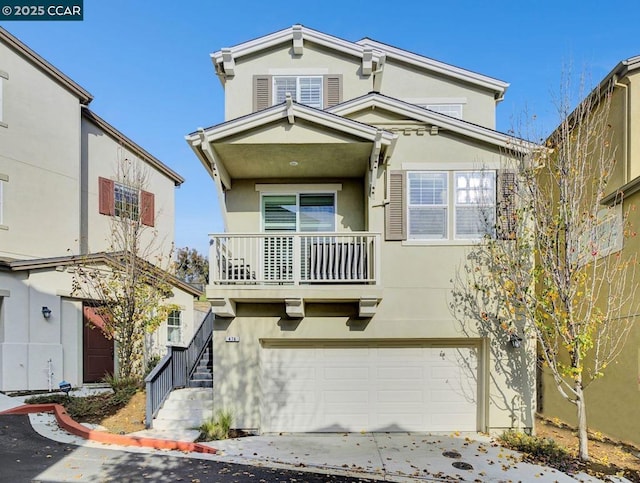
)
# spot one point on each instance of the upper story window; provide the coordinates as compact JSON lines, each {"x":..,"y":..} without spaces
{"x":453,"y":110}
{"x":441,"y":205}
{"x":3,"y":180}
{"x":3,"y":77}
{"x":602,"y":238}
{"x":305,"y":212}
{"x":117,"y":199}
{"x":127,"y":203}
{"x":303,"y":89}
{"x":174,"y":327}
{"x":319,"y":91}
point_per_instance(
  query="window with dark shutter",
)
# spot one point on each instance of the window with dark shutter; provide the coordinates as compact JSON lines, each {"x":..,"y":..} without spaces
{"x":261,"y":92}
{"x":395,"y":224}
{"x":106,"y":202}
{"x":147,"y":215}
{"x":507,"y":218}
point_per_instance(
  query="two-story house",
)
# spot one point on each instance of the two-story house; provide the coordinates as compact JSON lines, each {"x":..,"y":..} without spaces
{"x":58,"y":194}
{"x":353,"y":177}
{"x":612,"y":401}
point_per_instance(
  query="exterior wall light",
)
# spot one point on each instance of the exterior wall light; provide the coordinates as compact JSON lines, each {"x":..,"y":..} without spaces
{"x":516,"y":340}
{"x":46,"y":312}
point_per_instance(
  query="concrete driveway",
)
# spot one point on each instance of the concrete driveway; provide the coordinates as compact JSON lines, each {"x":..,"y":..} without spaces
{"x":392,"y":456}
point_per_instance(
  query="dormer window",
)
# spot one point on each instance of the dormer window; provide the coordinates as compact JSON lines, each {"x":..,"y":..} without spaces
{"x":306,"y":90}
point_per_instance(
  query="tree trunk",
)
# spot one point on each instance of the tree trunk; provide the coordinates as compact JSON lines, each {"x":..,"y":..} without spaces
{"x":581,"y":405}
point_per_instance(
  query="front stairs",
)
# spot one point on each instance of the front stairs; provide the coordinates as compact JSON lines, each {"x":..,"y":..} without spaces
{"x":203,"y":374}
{"x":184,"y":409}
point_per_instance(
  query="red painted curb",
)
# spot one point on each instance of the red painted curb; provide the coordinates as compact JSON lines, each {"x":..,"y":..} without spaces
{"x":65,"y":421}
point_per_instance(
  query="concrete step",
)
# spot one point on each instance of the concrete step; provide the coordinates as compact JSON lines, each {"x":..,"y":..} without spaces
{"x":177,"y":424}
{"x":185,"y":409}
{"x":192,"y":394}
{"x":171,"y":405}
{"x":202,"y":376}
{"x":201,"y":384}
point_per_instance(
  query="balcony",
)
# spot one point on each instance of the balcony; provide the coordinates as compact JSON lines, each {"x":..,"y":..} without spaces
{"x":294,"y":268}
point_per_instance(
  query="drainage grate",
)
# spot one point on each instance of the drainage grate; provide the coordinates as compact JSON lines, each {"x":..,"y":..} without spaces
{"x":461,"y":465}
{"x":452,"y":454}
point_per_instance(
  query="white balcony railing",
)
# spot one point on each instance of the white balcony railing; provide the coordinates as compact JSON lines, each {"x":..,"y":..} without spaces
{"x":294,"y":258}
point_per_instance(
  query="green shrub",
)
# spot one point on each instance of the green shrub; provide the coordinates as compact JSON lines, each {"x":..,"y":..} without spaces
{"x":217,"y":427}
{"x":90,"y":409}
{"x":541,"y":449}
{"x":127,"y":384}
{"x":152,"y":362}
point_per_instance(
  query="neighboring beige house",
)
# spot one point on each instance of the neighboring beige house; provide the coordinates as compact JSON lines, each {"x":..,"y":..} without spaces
{"x":613,"y":401}
{"x":350,"y":176}
{"x":58,"y":193}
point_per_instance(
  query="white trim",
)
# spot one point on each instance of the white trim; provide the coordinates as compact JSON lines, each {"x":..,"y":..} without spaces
{"x":375,"y":100}
{"x":299,"y":72}
{"x":2,"y":182}
{"x":435,"y":100}
{"x":297,"y":195}
{"x":4,"y":177}
{"x":297,"y":188}
{"x":496,"y":85}
{"x":2,"y":79}
{"x":456,"y":166}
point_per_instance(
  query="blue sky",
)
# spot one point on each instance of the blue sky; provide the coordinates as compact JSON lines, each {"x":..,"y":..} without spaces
{"x":147,"y":62}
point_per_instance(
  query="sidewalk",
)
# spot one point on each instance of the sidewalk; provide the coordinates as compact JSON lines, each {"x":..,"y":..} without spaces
{"x":381,"y":456}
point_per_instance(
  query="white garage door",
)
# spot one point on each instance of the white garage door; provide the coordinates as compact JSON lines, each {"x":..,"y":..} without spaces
{"x":369,"y":388}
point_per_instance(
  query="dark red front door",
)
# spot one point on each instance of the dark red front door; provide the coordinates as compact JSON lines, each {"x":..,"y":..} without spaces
{"x":97,"y":348}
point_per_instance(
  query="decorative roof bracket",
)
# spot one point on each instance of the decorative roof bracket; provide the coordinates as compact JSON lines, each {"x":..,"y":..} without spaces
{"x":289,"y":102}
{"x":297,"y":39}
{"x":367,"y":61}
{"x":228,"y":62}
{"x":374,"y":161}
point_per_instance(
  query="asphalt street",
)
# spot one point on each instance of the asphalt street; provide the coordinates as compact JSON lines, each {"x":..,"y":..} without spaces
{"x":27,"y":456}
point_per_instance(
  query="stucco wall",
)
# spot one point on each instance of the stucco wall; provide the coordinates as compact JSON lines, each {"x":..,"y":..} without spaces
{"x":28,"y":340}
{"x":399,"y":80}
{"x":101,"y":155}
{"x":40,"y":154}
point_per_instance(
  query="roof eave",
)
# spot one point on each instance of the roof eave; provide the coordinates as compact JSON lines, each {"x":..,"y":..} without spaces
{"x":65,"y":81}
{"x":132,"y":146}
{"x":497,"y":86}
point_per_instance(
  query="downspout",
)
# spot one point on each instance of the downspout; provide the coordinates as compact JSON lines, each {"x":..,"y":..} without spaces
{"x":625,"y":131}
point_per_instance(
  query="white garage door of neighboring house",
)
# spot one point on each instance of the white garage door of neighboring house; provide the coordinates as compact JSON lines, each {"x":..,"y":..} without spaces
{"x":369,"y":388}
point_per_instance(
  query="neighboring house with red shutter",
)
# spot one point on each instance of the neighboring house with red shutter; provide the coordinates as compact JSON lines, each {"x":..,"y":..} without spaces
{"x":352,"y":177}
{"x":58,"y":194}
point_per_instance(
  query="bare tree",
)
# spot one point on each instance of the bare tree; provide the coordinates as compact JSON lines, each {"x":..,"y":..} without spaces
{"x":558,"y":272}
{"x":130,"y":292}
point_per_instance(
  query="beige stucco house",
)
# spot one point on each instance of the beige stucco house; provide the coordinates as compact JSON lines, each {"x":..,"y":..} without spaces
{"x":349,"y":176}
{"x":57,"y":176}
{"x":613,"y":401}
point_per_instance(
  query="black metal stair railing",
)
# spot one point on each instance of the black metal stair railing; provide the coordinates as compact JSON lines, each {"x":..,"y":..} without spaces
{"x":176,"y":368}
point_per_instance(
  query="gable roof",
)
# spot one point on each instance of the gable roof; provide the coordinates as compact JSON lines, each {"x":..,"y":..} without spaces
{"x":291,"y":110}
{"x":26,"y":53}
{"x":370,"y":51}
{"x":442,"y":121}
{"x":224,"y":59}
{"x":132,"y":146}
{"x":112,"y":259}
{"x":497,"y":86}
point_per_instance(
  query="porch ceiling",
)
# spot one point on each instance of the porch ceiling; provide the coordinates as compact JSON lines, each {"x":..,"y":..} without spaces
{"x":252,"y":160}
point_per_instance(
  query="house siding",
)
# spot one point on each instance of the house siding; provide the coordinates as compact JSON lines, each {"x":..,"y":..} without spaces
{"x":613,"y":400}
